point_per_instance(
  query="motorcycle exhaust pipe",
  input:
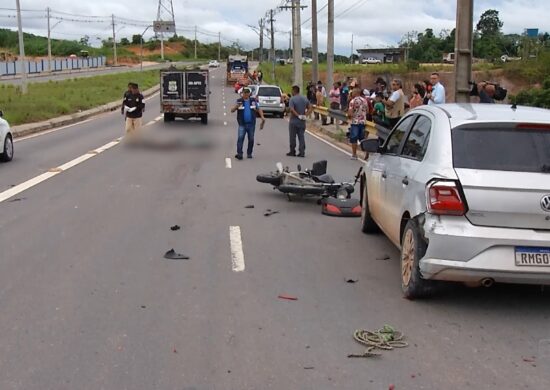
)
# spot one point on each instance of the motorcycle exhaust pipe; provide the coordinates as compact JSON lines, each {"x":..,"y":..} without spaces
{"x":487,"y":282}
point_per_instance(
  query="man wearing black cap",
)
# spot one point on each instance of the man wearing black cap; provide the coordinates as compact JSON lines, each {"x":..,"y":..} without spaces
{"x":247,"y":108}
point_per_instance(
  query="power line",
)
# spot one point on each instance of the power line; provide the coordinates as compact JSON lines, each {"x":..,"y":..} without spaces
{"x":350,"y":8}
{"x":318,"y":12}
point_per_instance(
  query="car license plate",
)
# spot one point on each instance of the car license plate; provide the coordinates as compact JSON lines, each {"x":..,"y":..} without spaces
{"x":532,"y":256}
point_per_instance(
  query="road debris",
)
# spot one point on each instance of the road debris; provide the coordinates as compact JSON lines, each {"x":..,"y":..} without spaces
{"x":270,"y":212}
{"x":173,"y":255}
{"x":352,"y":280}
{"x":383,"y":257}
{"x":386,"y":338}
{"x":249,"y":206}
{"x":175,"y":227}
{"x":16,"y":199}
{"x":288,"y":297}
{"x":143,"y":306}
{"x":309,"y":368}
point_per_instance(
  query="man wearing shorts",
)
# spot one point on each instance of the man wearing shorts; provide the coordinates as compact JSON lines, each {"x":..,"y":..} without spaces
{"x":357,"y":111}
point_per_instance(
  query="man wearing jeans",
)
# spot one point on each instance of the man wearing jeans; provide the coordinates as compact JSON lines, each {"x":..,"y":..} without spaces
{"x":299,"y":109}
{"x":247,"y":108}
{"x":357,"y":111}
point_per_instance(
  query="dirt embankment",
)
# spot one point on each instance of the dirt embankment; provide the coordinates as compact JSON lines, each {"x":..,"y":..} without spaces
{"x":367,"y":80}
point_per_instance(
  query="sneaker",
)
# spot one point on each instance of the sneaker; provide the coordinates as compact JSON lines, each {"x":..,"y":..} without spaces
{"x":301,"y":155}
{"x":249,"y":156}
{"x":291,"y":154}
{"x":239,"y":156}
{"x":353,"y":158}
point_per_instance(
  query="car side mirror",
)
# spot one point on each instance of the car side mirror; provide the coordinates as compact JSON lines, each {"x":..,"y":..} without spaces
{"x":370,"y":146}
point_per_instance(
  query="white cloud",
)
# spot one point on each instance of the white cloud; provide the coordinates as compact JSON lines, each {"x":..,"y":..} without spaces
{"x":372,"y":22}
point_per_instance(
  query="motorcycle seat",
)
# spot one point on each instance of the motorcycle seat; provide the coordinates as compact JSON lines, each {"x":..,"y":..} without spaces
{"x":326,"y":178}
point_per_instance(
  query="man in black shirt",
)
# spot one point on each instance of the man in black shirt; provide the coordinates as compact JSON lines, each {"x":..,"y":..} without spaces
{"x":133,"y":107}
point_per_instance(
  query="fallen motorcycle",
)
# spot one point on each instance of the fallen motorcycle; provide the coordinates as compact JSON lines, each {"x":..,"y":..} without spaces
{"x":335,"y":198}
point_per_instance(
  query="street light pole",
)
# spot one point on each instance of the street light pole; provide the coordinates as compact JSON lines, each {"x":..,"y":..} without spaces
{"x":21,"y":50}
{"x":141,"y":48}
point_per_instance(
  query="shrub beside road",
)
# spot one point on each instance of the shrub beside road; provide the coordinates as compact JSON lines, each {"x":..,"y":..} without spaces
{"x":55,"y":98}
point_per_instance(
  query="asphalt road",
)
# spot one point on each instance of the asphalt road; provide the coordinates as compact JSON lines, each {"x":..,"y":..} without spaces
{"x":89,"y":302}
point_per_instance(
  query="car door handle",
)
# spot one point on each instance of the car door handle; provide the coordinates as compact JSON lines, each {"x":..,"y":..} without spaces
{"x":384,"y":175}
{"x":405,"y":181}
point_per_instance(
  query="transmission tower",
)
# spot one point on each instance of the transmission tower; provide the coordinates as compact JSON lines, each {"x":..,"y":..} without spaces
{"x":165,"y":13}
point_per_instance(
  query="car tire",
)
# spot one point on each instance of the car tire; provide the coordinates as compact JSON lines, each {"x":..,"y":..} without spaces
{"x":168,"y":117}
{"x":7,"y":149}
{"x":269,"y":178}
{"x":368,"y":225}
{"x":204,"y":119}
{"x":413,"y":248}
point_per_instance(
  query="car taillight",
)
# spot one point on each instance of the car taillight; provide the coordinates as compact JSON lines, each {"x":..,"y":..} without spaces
{"x":444,"y":198}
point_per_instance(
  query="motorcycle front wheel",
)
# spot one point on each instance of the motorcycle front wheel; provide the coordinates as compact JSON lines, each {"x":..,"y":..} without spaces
{"x":269,"y":178}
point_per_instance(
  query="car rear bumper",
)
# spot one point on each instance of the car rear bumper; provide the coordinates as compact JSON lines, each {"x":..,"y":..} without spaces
{"x":460,"y":251}
{"x":272,"y":109}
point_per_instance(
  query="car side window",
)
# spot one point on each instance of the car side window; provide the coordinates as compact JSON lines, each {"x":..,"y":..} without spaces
{"x":417,"y":141}
{"x":397,"y":135}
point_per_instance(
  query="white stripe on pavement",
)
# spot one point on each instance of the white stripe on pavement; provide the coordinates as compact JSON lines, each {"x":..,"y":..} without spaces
{"x":228,"y":162}
{"x":237,"y":255}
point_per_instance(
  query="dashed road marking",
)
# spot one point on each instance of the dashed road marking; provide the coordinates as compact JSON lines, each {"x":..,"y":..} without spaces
{"x":225,"y":123}
{"x":228,"y":162}
{"x":237,"y":255}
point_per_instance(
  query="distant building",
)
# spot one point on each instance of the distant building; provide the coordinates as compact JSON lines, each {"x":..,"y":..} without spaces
{"x":397,"y":54}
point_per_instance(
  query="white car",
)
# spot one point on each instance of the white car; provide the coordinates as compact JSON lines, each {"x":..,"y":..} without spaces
{"x":6,"y":140}
{"x":464,"y":191}
{"x":371,"y":60}
{"x":213,"y":64}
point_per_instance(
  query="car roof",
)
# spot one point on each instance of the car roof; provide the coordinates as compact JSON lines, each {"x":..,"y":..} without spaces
{"x":268,"y":85}
{"x":464,"y":113}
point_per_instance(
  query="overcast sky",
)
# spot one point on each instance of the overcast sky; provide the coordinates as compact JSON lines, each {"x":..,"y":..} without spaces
{"x":373,"y":23}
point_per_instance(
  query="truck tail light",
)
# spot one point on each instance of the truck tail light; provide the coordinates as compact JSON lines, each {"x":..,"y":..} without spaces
{"x":444,"y":197}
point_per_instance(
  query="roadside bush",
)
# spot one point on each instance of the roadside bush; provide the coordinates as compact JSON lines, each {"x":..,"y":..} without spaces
{"x":412,"y":65}
{"x":535,"y":97}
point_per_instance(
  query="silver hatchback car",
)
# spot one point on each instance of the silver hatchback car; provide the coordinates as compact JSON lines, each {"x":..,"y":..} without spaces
{"x":464,"y":191}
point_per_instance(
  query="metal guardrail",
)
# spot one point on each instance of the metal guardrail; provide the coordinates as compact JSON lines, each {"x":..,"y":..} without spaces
{"x":371,"y":127}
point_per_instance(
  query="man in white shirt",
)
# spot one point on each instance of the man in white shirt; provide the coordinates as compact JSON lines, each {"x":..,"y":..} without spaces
{"x":437,"y":96}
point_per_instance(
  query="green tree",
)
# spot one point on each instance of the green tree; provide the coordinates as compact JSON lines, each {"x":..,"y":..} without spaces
{"x":489,"y":24}
{"x":85,"y":40}
{"x":124,"y":42}
{"x":136,"y":39}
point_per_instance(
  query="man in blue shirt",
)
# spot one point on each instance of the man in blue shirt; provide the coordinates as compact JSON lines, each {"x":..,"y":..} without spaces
{"x":437,"y":96}
{"x":247,"y":107}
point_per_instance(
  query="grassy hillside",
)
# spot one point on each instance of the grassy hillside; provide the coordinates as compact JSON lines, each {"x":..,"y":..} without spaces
{"x":55,"y":98}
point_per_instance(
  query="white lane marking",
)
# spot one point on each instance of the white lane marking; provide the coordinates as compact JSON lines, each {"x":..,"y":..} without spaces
{"x":158,"y":118}
{"x":225,"y":113}
{"x":228,"y":162}
{"x":55,"y":171}
{"x":225,"y":123}
{"x":237,"y":255}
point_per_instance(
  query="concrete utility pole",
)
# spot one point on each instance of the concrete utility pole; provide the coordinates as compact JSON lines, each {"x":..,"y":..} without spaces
{"x":351,"y":56}
{"x":195,"y":41}
{"x":463,"y":49}
{"x":330,"y":44}
{"x":219,"y":46}
{"x":21,"y":50}
{"x":49,"y":41}
{"x":314,"y":43}
{"x":261,"y":24}
{"x":297,"y":44}
{"x":272,"y":50}
{"x":115,"y":60}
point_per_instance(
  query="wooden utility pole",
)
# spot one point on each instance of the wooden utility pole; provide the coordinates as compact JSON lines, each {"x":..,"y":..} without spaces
{"x":195,"y":41}
{"x":351,"y":55}
{"x":314,"y":43}
{"x":330,"y":45}
{"x":115,"y":59}
{"x":463,"y":49}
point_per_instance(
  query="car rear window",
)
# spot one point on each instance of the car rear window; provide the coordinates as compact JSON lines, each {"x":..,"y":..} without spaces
{"x":524,"y":148}
{"x":269,"y":91}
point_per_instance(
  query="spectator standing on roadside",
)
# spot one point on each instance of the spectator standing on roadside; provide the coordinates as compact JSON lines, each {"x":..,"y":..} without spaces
{"x":344,"y":96}
{"x":486,"y":91}
{"x":437,"y":94}
{"x":260,"y":76}
{"x":334,"y":98}
{"x":323,"y":89}
{"x":320,"y":102}
{"x":247,"y":108}
{"x":300,"y":108}
{"x":133,"y":106}
{"x":428,"y":89}
{"x":395,"y":104}
{"x":379,"y":114}
{"x":357,"y":111}
{"x":310,"y":93}
{"x":417,"y":98}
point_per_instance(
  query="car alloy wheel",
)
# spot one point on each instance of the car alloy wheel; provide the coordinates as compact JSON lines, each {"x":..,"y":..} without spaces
{"x":407,"y":257}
